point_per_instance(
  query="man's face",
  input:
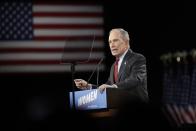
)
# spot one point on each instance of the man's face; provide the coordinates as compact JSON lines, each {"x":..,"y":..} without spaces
{"x":117,"y":45}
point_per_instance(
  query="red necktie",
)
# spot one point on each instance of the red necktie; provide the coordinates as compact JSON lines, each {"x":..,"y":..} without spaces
{"x":116,"y":70}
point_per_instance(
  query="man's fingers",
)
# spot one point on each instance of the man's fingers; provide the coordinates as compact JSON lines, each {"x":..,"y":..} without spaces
{"x":102,"y":88}
{"x":80,"y":83}
{"x":77,"y":80}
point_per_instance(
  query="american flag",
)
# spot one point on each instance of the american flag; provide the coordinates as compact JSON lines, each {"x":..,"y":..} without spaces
{"x":178,"y":100}
{"x":37,"y":37}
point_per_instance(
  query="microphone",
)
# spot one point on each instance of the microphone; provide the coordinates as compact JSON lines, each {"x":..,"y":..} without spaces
{"x":86,"y":60}
{"x":96,"y":69}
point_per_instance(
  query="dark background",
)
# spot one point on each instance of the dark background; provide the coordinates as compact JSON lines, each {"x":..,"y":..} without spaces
{"x":157,"y":27}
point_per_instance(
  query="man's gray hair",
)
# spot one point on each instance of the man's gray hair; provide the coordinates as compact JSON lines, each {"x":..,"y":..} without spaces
{"x":123,"y":32}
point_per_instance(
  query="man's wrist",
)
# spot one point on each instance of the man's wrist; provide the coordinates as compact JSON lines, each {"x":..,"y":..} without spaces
{"x":112,"y":86}
{"x":115,"y":86}
{"x":89,"y":86}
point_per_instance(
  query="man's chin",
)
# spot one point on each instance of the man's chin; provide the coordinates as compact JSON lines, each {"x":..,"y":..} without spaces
{"x":114,"y":54}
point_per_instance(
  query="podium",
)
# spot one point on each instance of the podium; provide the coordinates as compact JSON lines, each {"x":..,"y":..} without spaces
{"x":95,"y":100}
{"x":100,"y":104}
{"x":88,"y":100}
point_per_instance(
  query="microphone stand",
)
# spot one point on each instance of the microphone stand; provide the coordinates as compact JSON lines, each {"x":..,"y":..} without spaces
{"x":97,"y":76}
{"x":72,"y":64}
{"x":72,"y":78}
{"x":96,"y":69}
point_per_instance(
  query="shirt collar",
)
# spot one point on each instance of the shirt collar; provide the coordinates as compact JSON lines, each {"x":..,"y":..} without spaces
{"x":123,"y":55}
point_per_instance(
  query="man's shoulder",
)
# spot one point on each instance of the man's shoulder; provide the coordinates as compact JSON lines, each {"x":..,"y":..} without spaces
{"x":137,"y":55}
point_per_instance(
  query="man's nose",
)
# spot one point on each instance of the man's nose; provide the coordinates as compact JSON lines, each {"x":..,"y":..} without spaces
{"x":112,"y":45}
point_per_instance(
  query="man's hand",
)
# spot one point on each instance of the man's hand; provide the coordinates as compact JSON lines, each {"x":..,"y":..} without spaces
{"x":81,"y":84}
{"x":103,"y":86}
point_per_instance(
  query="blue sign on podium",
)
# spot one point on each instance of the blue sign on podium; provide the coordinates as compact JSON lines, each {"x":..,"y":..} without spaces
{"x":88,"y":99}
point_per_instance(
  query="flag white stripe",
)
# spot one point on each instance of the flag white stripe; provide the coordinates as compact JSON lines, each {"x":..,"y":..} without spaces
{"x":68,"y":32}
{"x":68,"y":8}
{"x":51,"y":44}
{"x":185,"y":115}
{"x":177,"y":111}
{"x":47,"y":68}
{"x":50,"y":56}
{"x":191,"y":112}
{"x":67,"y":20}
{"x":173,"y":114}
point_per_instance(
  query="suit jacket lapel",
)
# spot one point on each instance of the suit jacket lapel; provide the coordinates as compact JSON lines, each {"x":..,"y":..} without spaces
{"x":112,"y":74}
{"x":123,"y":64}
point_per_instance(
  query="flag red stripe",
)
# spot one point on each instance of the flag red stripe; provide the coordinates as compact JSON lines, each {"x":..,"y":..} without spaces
{"x":47,"y":38}
{"x":63,"y":2}
{"x":19,"y":50}
{"x":190,"y":113}
{"x":67,"y":14}
{"x":31,"y":74}
{"x":43,"y":62}
{"x":68,"y":26}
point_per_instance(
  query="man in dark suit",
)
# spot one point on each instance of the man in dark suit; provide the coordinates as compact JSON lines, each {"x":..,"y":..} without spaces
{"x":128,"y":73}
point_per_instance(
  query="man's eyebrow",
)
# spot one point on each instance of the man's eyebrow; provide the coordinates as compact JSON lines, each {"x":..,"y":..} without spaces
{"x":113,"y":40}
